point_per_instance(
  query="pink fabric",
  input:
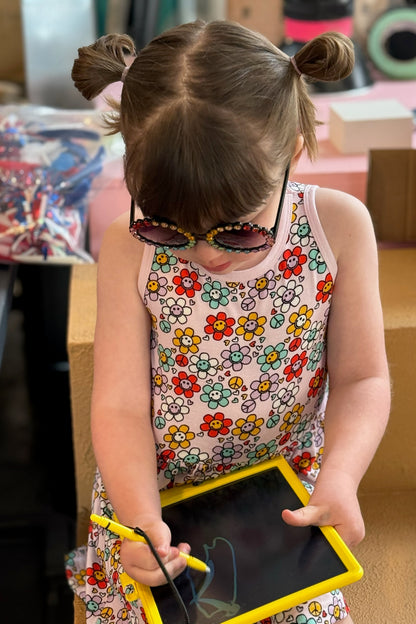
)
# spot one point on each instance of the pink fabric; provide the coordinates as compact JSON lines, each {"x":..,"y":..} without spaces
{"x":304,"y":30}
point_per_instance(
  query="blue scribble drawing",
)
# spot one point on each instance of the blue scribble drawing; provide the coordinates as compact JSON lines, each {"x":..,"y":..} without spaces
{"x":212,"y":607}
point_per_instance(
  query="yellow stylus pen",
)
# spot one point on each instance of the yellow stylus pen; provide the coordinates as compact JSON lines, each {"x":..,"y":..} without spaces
{"x":123,"y":531}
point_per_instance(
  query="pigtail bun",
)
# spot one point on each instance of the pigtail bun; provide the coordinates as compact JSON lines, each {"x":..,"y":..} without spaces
{"x":101,"y":63}
{"x":328,"y":57}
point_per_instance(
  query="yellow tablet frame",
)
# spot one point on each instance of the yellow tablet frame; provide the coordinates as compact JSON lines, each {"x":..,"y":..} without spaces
{"x":352,"y":574}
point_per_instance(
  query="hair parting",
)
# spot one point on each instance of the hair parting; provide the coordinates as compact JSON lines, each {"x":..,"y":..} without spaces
{"x":209,"y":113}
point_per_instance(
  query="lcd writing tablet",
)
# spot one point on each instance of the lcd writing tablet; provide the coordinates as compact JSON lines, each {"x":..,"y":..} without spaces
{"x":259,"y":565}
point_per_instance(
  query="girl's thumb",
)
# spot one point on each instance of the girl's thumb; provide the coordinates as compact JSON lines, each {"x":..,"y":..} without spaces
{"x":304,"y":516}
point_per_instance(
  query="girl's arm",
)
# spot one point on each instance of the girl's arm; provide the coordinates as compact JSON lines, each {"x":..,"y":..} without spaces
{"x":359,"y":387}
{"x":122,"y":434}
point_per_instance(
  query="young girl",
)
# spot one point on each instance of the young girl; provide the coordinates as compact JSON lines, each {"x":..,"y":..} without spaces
{"x":244,"y":311}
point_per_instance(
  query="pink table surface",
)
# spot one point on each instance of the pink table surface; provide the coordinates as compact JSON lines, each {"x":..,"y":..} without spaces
{"x":331,"y":169}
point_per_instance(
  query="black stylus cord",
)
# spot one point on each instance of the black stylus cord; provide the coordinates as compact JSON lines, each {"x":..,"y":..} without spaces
{"x":169,"y":579}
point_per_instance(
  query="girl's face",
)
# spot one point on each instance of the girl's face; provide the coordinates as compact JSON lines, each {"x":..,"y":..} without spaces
{"x":221,"y":261}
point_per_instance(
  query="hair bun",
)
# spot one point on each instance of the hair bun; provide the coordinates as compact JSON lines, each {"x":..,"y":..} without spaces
{"x":101,"y":63}
{"x":328,"y":57}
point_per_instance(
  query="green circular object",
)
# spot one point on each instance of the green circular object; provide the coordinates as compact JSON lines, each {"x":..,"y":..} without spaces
{"x":385,"y":35}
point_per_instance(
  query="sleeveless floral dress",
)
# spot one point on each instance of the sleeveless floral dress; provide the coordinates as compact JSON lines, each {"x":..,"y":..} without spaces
{"x":238,"y":376}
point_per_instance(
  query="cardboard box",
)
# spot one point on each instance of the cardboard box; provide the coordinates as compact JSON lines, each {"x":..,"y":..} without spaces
{"x":11,"y":42}
{"x":263,"y":16}
{"x":391,"y":194}
{"x":356,"y":127}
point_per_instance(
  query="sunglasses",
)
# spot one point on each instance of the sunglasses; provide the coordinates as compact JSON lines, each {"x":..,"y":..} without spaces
{"x":237,"y":237}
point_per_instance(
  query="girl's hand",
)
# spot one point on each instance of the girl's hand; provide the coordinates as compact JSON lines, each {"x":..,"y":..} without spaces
{"x":139,"y":562}
{"x":334,"y":503}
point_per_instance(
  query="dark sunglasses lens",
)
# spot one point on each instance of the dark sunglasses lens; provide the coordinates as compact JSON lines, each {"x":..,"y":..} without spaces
{"x":158,"y":235}
{"x":241,"y":239}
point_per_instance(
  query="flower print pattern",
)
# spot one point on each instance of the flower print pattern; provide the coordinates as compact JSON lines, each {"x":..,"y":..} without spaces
{"x":163,"y":261}
{"x":315,"y":356}
{"x":316,"y":383}
{"x":262,"y":451}
{"x":238,"y":376}
{"x":325,"y":288}
{"x":156,"y":286}
{"x":186,"y":341}
{"x":317,"y":262}
{"x":264,"y":387}
{"x":300,"y":320}
{"x":96,"y":576}
{"x":215,"y":294}
{"x":219,"y":326}
{"x":187,"y":283}
{"x":165,"y":358}
{"x":311,"y":335}
{"x":292,"y":262}
{"x":301,"y":232}
{"x":215,"y":396}
{"x":247,"y":427}
{"x":288,"y":296}
{"x":225,"y":455}
{"x":193,"y":457}
{"x":292,"y":418}
{"x":295,"y":367}
{"x":272,"y":357}
{"x":203,"y":365}
{"x":250,"y":326}
{"x":303,"y":463}
{"x":216,"y":424}
{"x":176,"y":310}
{"x":186,"y":384}
{"x":178,"y":436}
{"x":236,"y":357}
{"x":286,"y":397}
{"x":159,"y":381}
{"x":174,"y":408}
{"x":173,"y":469}
{"x":262,"y":286}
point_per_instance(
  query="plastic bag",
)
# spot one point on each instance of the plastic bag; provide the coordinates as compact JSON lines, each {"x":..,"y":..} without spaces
{"x":49,"y":159}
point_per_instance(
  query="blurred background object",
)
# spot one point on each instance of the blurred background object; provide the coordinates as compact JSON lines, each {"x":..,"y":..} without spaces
{"x":392,"y":42}
{"x":52,"y":32}
{"x":305,"y":19}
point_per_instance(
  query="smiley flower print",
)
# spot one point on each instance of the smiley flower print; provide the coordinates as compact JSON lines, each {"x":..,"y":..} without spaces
{"x":226,"y":454}
{"x":215,"y":294}
{"x":292,"y":262}
{"x":215,"y":396}
{"x":288,"y":296}
{"x":264,"y":387}
{"x":178,"y":436}
{"x":187,"y":283}
{"x":247,"y":427}
{"x":176,"y":310}
{"x":216,"y":424}
{"x":219,"y":326}
{"x":185,"y":384}
{"x":236,"y":357}
{"x":163,"y":261}
{"x":186,"y":340}
{"x":262,"y":286}
{"x":174,"y":408}
{"x":250,"y":326}
{"x":156,"y":286}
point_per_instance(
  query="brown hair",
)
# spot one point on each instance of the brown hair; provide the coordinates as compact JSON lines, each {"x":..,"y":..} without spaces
{"x":209,"y":112}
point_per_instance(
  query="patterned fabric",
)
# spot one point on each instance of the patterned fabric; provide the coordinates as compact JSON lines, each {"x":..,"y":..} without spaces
{"x":238,"y":376}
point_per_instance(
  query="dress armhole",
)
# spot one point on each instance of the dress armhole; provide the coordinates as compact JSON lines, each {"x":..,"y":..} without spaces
{"x":318,"y":230}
